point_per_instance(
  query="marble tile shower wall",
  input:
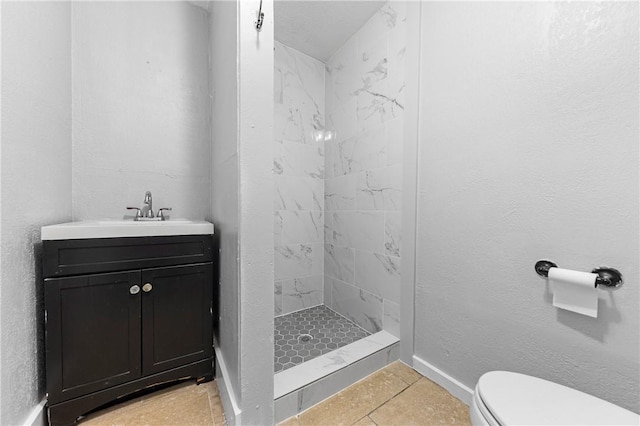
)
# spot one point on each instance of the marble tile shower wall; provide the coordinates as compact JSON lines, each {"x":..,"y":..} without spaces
{"x":364,"y":95}
{"x":299,"y":187}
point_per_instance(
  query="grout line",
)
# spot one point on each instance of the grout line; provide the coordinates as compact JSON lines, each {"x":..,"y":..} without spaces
{"x":348,"y":322}
{"x":397,"y":394}
{"x":351,"y":321}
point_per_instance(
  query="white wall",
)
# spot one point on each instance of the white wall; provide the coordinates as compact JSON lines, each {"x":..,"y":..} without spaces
{"x":140,"y":108}
{"x":256,"y":204}
{"x":35,"y":186}
{"x":225,"y":187}
{"x":529,"y":150}
{"x":242,"y":205}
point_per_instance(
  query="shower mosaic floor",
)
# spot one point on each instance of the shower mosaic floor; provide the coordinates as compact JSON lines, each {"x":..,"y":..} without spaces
{"x":309,"y":333}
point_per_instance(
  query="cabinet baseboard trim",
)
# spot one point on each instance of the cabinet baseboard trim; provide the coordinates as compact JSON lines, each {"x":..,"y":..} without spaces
{"x":229,"y":402}
{"x":38,"y":415}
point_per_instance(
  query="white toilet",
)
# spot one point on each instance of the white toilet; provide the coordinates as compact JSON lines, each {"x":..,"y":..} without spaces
{"x":505,"y":398}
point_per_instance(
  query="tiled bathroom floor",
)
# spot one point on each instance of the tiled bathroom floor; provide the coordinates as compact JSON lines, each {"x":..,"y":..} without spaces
{"x":395,"y":395}
{"x":306,"y":334}
{"x":183,"y":404}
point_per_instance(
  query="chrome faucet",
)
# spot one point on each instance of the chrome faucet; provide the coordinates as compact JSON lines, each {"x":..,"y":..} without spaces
{"x":146,"y":212}
{"x":147,"y":209}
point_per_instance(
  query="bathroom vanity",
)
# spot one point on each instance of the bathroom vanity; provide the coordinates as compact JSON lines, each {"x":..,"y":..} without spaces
{"x":125,"y":309}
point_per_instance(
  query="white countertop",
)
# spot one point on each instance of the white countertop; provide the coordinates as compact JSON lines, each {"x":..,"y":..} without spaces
{"x":124,"y":228}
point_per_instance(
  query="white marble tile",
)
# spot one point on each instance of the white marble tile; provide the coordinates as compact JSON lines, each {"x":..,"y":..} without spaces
{"x":391,"y":319}
{"x":343,"y":119}
{"x":326,"y":288}
{"x":339,"y":262}
{"x":284,"y":407}
{"x":277,"y":297}
{"x":296,"y":193}
{"x":300,"y":293}
{"x":380,"y":97}
{"x":380,"y":189}
{"x":383,"y":21}
{"x":289,"y":123}
{"x":277,"y":157}
{"x":340,"y":193}
{"x":317,"y":194}
{"x":360,"y":306}
{"x":393,"y":234}
{"x":362,"y":230}
{"x":278,"y":84}
{"x":344,"y":74}
{"x":394,"y":141}
{"x":364,"y":152}
{"x":299,"y":376}
{"x":301,"y":226}
{"x":304,"y":160}
{"x":328,"y":158}
{"x":396,"y":68}
{"x":329,"y":385}
{"x":328,"y":228}
{"x":277,"y":228}
{"x":299,"y":95}
{"x":302,"y":75}
{"x":378,"y":274}
{"x":373,"y":64}
{"x":298,"y":260}
{"x":328,"y":88}
{"x":377,"y":107}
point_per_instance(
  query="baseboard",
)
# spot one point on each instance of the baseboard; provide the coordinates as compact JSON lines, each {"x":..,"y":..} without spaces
{"x":457,"y":389}
{"x":232,"y":412}
{"x":38,"y":415}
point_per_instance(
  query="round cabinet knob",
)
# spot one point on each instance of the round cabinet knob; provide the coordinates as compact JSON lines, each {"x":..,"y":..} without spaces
{"x":135,"y":289}
{"x":147,"y":287}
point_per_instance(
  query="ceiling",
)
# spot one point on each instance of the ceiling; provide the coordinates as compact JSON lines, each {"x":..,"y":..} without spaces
{"x":319,"y":27}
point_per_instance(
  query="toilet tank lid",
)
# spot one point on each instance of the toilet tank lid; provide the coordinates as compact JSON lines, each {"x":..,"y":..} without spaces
{"x":518,"y":399}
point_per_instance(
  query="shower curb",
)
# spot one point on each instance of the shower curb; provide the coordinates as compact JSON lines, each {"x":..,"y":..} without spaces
{"x":305,"y":385}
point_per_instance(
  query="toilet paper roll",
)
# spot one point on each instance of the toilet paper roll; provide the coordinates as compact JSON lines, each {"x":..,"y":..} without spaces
{"x":575,"y":291}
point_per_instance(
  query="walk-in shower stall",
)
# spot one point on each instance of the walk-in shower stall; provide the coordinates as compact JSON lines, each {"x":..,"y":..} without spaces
{"x":338,"y":137}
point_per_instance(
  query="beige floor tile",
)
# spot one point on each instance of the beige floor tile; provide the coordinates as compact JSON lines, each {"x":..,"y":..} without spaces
{"x":356,"y":401}
{"x":291,"y":421}
{"x":423,"y":403}
{"x":217,"y":411}
{"x":403,"y":371}
{"x":365,"y":421}
{"x":183,"y":404}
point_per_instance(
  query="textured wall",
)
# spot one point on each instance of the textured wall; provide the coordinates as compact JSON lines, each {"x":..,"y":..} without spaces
{"x":256,"y":223}
{"x":363,"y":172}
{"x":35,"y":185}
{"x":299,"y":171}
{"x":140,"y":108}
{"x":529,"y":149}
{"x":225,"y":183}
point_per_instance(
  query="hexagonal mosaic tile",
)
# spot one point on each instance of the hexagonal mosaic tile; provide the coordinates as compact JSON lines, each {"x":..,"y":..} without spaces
{"x":306,"y":334}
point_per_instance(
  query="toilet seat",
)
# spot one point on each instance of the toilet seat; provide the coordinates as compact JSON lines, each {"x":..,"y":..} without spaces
{"x":506,"y":398}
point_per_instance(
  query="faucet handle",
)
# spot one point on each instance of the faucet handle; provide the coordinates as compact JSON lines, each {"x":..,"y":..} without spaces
{"x":160,"y":214}
{"x":138,"y":212}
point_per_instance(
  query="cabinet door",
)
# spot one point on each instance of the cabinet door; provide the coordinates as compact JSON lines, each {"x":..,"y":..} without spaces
{"x":92,"y":333}
{"x":176,"y":316}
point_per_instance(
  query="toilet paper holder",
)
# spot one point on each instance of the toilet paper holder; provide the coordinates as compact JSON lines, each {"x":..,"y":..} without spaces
{"x":608,"y":278}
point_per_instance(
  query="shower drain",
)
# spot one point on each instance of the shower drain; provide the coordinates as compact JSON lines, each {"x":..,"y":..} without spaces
{"x":304,"y":338}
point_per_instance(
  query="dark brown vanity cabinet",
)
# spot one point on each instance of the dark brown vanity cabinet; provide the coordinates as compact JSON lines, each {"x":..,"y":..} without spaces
{"x":113,"y":332}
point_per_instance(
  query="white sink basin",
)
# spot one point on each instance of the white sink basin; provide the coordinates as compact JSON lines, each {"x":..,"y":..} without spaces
{"x":124,"y":228}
